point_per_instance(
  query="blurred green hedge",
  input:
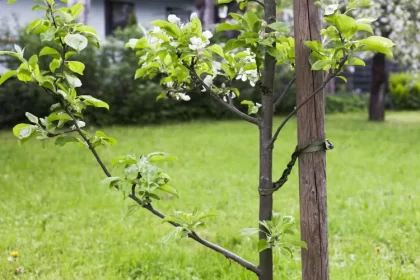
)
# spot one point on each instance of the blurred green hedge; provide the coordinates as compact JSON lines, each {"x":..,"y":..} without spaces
{"x":404,"y":89}
{"x":109,"y":76}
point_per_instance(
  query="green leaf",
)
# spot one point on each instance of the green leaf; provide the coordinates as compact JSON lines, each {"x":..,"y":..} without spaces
{"x":354,"y":61}
{"x":217,"y":49}
{"x":76,"y":9}
{"x":168,"y":189}
{"x":73,"y":81}
{"x":224,"y":1}
{"x":364,"y":27}
{"x":111,"y":181}
{"x":31,"y":118}
{"x":39,"y":7}
{"x":321,"y":65}
{"x":92,"y":101}
{"x":86,"y":28}
{"x":251,"y":19}
{"x":330,"y":9}
{"x":161,"y":157}
{"x":377,"y":44}
{"x":76,"y":66}
{"x":227,"y":26}
{"x":48,"y":35}
{"x":11,"y":1}
{"x":76,"y":41}
{"x":346,"y":25}
{"x":49,"y":51}
{"x":124,"y":160}
{"x":7,"y":75}
{"x":342,"y":78}
{"x":234,"y":44}
{"x":32,"y":25}
{"x":170,"y":28}
{"x":314,"y":46}
{"x":278,"y":26}
{"x":172,"y":234}
{"x":262,"y":245}
{"x":59,"y":116}
{"x":63,"y":140}
{"x":55,"y":64}
{"x":249,"y":231}
{"x":22,"y":130}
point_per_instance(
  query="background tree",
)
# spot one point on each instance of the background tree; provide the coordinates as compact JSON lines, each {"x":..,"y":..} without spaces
{"x":398,"y":20}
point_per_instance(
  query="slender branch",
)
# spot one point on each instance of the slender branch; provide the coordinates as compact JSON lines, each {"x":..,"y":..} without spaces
{"x":290,"y":115}
{"x":193,"y":235}
{"x":285,"y":91}
{"x":229,"y":106}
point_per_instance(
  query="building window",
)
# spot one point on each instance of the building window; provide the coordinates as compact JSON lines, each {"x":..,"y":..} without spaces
{"x":117,"y":14}
{"x":183,"y":14}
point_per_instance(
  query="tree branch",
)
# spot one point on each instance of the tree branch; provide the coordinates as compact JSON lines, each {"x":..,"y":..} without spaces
{"x":286,"y":90}
{"x":290,"y":115}
{"x":219,"y":100}
{"x":200,"y":240}
{"x":192,"y":235}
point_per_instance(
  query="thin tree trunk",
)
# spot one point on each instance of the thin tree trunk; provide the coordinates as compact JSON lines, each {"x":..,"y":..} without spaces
{"x":266,"y":151}
{"x":312,"y":176}
{"x":378,"y":89}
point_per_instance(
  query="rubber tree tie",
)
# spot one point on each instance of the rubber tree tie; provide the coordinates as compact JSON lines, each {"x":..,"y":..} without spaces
{"x":313,"y":147}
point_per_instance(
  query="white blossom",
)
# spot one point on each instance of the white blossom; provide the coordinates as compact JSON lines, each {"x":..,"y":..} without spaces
{"x":80,"y":124}
{"x":208,"y":81}
{"x":183,"y":96}
{"x":251,"y":75}
{"x":193,"y":16}
{"x":231,"y":94}
{"x":207,"y":34}
{"x":197,"y":44}
{"x":174,"y":19}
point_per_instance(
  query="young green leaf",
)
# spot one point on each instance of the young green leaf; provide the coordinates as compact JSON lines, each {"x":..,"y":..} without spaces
{"x":92,"y":101}
{"x":76,"y":66}
{"x":63,"y":140}
{"x":49,"y":51}
{"x":168,"y":189}
{"x":31,"y":118}
{"x":7,"y":75}
{"x":263,"y":244}
{"x":76,"y":41}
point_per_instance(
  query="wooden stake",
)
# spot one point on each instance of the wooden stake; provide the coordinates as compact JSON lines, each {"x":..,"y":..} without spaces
{"x":312,"y":177}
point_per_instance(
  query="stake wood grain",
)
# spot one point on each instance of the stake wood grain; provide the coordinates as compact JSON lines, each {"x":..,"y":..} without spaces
{"x":312,"y":176}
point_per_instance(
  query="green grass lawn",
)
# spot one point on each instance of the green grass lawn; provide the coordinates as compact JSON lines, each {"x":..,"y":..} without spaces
{"x":65,"y":225}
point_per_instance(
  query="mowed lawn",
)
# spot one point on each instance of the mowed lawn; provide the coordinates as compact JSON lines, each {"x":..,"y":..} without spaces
{"x":65,"y":225}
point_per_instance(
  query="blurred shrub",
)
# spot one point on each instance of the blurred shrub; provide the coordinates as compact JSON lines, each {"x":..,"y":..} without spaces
{"x":346,"y":102}
{"x":404,"y":89}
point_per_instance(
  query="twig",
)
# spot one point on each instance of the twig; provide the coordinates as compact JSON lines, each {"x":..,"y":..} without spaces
{"x":290,"y":115}
{"x":229,"y":106}
{"x":204,"y":242}
{"x":286,"y":90}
